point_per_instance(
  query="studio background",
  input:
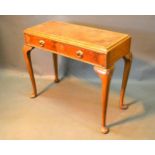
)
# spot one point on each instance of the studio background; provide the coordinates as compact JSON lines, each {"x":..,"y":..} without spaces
{"x":71,"y":109}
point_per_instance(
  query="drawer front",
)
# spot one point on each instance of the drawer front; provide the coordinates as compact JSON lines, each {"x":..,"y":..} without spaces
{"x":70,"y":51}
{"x":39,"y":42}
{"x":81,"y":54}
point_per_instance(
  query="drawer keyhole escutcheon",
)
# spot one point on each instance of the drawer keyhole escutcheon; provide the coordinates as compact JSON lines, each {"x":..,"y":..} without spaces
{"x":42,"y":43}
{"x":79,"y":54}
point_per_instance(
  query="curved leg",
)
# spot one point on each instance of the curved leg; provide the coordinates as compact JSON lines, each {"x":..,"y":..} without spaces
{"x":127,"y":66}
{"x":55,"y":63}
{"x":105,"y":75}
{"x":27,"y":56}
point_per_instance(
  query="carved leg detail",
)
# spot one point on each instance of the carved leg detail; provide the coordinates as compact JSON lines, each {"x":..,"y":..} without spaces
{"x":127,"y":66}
{"x":55,"y":63}
{"x":105,"y":75}
{"x":27,"y":56}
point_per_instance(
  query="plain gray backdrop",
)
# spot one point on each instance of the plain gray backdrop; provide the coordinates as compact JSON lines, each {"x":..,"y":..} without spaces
{"x":141,"y":28}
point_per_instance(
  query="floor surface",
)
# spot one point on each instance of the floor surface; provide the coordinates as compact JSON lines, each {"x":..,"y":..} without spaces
{"x":71,"y":109}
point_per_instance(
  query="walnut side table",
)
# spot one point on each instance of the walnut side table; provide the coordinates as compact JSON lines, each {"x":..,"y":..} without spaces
{"x":98,"y":47}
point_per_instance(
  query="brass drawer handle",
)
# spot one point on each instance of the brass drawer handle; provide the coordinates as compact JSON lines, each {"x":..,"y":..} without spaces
{"x":42,"y":43}
{"x":79,"y":54}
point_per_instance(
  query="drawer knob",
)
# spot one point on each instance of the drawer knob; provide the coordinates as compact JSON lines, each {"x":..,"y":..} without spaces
{"x":79,"y":54}
{"x":42,"y":43}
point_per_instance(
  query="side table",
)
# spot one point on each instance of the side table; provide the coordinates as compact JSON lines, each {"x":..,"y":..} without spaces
{"x":98,"y":47}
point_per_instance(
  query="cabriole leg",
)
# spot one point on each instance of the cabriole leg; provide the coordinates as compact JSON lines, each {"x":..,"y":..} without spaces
{"x":55,"y":63}
{"x":105,"y":76}
{"x":27,"y":56}
{"x":127,"y":66}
